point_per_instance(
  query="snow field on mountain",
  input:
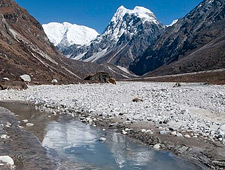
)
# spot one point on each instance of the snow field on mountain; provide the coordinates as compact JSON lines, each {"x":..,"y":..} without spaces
{"x":68,"y":34}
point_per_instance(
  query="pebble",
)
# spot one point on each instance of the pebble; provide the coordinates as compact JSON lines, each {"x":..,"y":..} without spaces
{"x":102,"y":139}
{"x":124,"y":132}
{"x":149,"y":131}
{"x":187,"y":136}
{"x":174,"y":133}
{"x":29,"y":124}
{"x":8,"y":124}
{"x":179,"y":135}
{"x":143,"y":130}
{"x":157,"y":146}
{"x":25,"y":120}
{"x":164,"y":132}
{"x":7,"y":159}
{"x":4,"y":137}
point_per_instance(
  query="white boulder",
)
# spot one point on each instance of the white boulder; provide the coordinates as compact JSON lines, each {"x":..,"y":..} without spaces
{"x":29,"y":124}
{"x":157,"y":146}
{"x":5,"y":78}
{"x":7,"y":159}
{"x":102,"y":139}
{"x":25,"y":78}
{"x":54,"y":81}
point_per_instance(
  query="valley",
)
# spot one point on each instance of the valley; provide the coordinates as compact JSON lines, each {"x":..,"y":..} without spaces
{"x":139,"y":95}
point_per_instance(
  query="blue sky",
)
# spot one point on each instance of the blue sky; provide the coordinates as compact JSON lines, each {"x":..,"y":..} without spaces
{"x":97,"y":13}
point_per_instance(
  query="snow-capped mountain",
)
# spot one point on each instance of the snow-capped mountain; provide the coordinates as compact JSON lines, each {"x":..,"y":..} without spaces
{"x":65,"y":34}
{"x":127,"y":35}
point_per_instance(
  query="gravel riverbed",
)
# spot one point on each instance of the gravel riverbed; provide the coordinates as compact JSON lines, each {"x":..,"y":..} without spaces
{"x":192,"y":112}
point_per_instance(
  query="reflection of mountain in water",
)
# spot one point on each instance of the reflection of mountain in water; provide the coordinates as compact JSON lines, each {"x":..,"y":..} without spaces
{"x":79,"y":143}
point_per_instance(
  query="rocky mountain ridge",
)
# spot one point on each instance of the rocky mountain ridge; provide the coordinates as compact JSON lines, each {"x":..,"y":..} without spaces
{"x":127,"y":35}
{"x":25,"y":49}
{"x":194,"y":43}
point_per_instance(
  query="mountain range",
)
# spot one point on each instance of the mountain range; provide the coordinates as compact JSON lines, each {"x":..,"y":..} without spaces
{"x":65,"y":34}
{"x":195,"y":43}
{"x":134,"y":41}
{"x":25,"y":49}
{"x":127,"y":36}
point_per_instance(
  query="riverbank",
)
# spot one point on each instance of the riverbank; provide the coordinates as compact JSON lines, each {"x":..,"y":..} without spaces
{"x":184,"y":120}
{"x":21,"y":146}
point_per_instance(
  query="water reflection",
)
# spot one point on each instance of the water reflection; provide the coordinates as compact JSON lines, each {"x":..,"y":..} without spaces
{"x":79,"y":143}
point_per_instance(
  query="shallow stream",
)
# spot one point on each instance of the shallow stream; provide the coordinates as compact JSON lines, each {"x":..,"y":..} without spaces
{"x":74,"y":145}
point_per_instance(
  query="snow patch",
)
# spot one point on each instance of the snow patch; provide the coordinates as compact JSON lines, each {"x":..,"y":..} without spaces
{"x":174,"y":22}
{"x":68,"y":34}
{"x":124,"y":69}
{"x":96,"y":56}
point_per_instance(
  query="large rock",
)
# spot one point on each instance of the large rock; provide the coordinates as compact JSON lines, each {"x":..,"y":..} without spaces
{"x":101,"y":77}
{"x":25,"y":78}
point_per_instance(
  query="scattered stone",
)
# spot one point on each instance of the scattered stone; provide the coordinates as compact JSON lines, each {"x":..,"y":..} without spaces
{"x":25,"y":120}
{"x":8,"y":124}
{"x":102,"y":139}
{"x":177,"y":85}
{"x":112,"y":80}
{"x":182,"y":149}
{"x":143,"y":130}
{"x":174,"y":133}
{"x":124,"y":132}
{"x":137,"y":100}
{"x":54,"y":81}
{"x":187,"y":136}
{"x":179,"y":135}
{"x":163,"y":132}
{"x":149,"y":131}
{"x":221,"y":130}
{"x":7,"y":159}
{"x":4,"y":137}
{"x":25,"y":78}
{"x":5,"y":78}
{"x":157,"y":146}
{"x":29,"y":124}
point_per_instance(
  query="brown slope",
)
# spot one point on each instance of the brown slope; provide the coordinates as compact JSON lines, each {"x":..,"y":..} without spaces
{"x":209,"y":57}
{"x":86,"y":68}
{"x":25,"y":49}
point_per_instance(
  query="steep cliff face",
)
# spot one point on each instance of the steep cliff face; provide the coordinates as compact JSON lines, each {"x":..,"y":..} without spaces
{"x":127,"y":35}
{"x":194,"y":43}
{"x":25,"y":49}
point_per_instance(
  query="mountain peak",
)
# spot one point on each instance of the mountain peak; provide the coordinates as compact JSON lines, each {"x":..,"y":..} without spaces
{"x":121,"y":8}
{"x":68,"y":34}
{"x":141,"y":12}
{"x":141,"y":9}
